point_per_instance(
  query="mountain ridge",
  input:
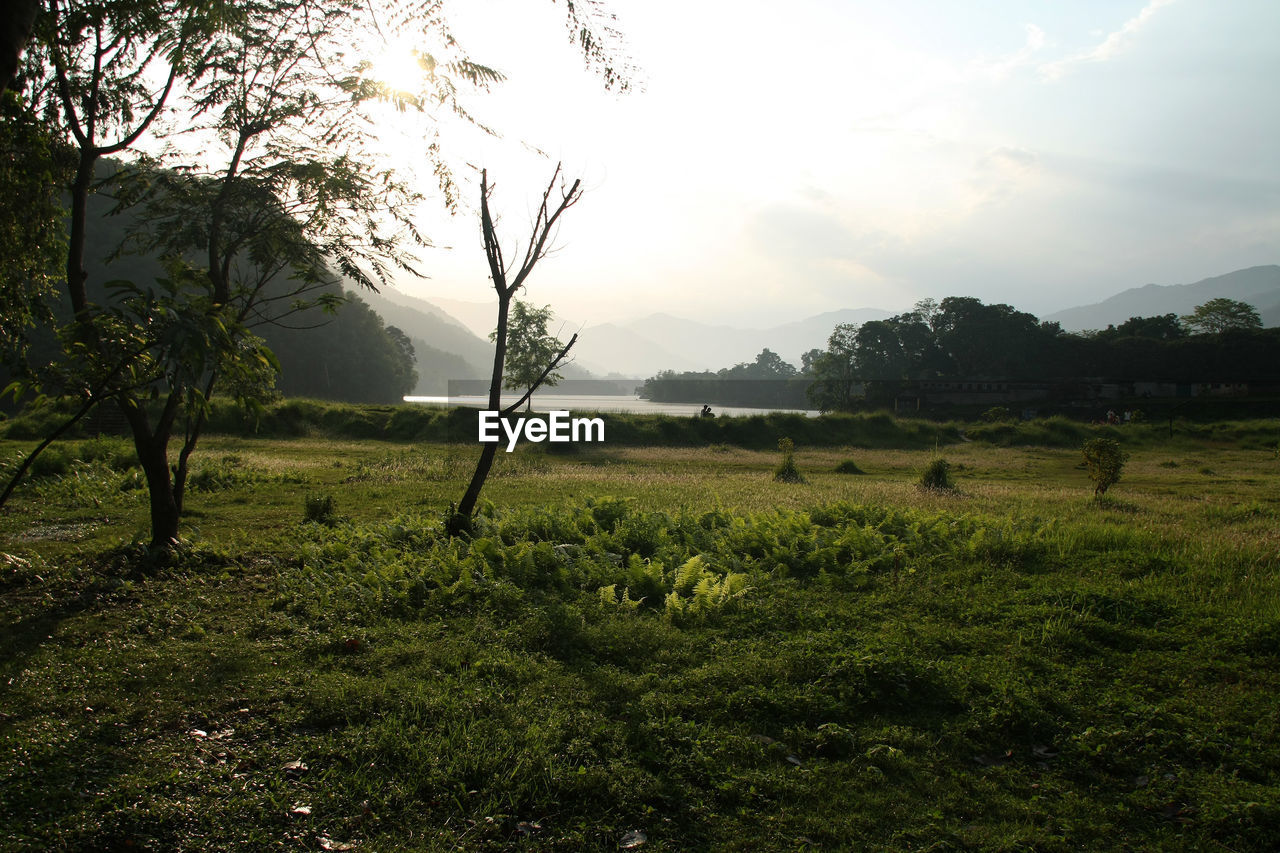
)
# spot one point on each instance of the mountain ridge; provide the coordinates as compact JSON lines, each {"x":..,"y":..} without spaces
{"x":1251,"y":284}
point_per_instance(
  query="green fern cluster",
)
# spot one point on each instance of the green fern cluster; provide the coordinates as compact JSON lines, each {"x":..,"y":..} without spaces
{"x":693,"y":589}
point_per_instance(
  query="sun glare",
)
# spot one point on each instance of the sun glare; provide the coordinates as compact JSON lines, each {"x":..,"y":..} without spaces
{"x":398,"y":65}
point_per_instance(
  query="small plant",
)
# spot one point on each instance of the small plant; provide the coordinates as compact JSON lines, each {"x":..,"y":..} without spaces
{"x":936,"y":476}
{"x":848,"y":466}
{"x":1105,"y":460}
{"x":787,"y":472}
{"x":322,"y":509}
{"x":998,"y":414}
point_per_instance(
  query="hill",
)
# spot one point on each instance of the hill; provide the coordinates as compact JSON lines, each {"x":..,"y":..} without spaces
{"x":1259,"y":286}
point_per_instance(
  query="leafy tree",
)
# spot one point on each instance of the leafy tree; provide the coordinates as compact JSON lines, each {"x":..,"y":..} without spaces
{"x":34,"y":167}
{"x":287,"y":200}
{"x":990,"y":340}
{"x":90,"y":67}
{"x":1221,"y":314}
{"x":835,"y":375}
{"x":530,"y":348}
{"x":769,"y":365}
{"x":878,"y":353}
{"x":402,"y":346}
{"x":1105,"y":461}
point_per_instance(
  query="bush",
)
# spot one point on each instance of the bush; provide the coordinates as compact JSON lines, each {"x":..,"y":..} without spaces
{"x":1105,"y":460}
{"x":787,"y":472}
{"x":53,"y":462}
{"x":848,"y":466}
{"x":322,"y":509}
{"x":998,"y":414}
{"x":936,"y":476}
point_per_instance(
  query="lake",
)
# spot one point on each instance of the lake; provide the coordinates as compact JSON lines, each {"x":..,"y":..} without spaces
{"x":601,"y":403}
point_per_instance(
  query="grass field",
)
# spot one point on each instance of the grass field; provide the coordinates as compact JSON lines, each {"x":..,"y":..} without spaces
{"x":658,"y":648}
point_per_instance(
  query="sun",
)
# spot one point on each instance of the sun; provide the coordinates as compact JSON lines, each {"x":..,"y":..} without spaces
{"x":399,"y":66}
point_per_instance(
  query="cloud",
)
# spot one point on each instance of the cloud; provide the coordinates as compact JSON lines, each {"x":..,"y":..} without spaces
{"x":1110,"y":47}
{"x":999,"y":69}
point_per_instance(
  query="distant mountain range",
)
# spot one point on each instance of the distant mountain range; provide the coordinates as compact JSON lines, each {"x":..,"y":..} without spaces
{"x":449,"y":335}
{"x":635,"y":349}
{"x":1259,"y":286}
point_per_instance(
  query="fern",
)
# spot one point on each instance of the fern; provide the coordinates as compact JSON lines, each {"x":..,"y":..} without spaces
{"x":688,"y":575}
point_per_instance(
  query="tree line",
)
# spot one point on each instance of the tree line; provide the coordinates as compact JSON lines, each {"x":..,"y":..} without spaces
{"x":767,"y":382}
{"x":964,"y":338}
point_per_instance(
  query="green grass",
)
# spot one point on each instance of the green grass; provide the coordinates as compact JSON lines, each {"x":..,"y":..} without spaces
{"x":1012,"y":665}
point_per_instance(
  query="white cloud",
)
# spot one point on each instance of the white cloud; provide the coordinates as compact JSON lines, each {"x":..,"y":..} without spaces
{"x":1110,"y":47}
{"x":999,"y":69}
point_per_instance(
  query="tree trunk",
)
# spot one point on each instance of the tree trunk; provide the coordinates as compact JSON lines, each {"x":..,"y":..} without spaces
{"x":164,"y":507}
{"x":153,"y":456}
{"x":75,"y":241}
{"x":461,"y":520}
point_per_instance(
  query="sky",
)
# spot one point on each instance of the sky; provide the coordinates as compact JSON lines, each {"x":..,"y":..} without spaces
{"x":776,"y":161}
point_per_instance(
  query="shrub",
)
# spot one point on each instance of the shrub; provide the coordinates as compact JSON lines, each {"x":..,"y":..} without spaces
{"x":53,"y":462}
{"x":1105,"y":460}
{"x":848,"y":466}
{"x":787,"y":472}
{"x":322,"y":509}
{"x":998,"y":414}
{"x":936,"y":476}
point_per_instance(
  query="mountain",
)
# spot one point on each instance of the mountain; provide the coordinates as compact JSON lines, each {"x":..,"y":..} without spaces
{"x":424,"y":322}
{"x":1259,"y":286}
{"x":446,"y":348}
{"x":479,"y":316}
{"x":1270,"y":316}
{"x":608,"y":347}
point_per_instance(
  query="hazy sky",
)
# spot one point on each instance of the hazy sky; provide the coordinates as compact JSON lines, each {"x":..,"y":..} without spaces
{"x":787,"y":159}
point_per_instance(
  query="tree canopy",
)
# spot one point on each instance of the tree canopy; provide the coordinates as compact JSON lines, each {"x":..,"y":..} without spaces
{"x":530,"y":347}
{"x":1221,"y":314}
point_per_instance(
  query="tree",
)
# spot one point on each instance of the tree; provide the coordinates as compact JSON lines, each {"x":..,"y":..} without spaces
{"x":989,"y":340}
{"x":1164,"y":327}
{"x":507,"y":285}
{"x":529,"y":348}
{"x":33,"y":170}
{"x":288,"y":200}
{"x":1218,"y":315}
{"x":1105,"y":461}
{"x":835,"y":376}
{"x":769,"y":365}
